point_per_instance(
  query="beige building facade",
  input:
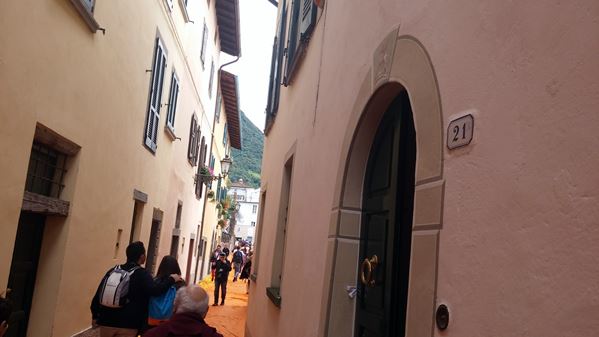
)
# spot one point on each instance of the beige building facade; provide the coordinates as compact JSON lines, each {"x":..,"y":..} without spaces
{"x":108,"y":112}
{"x":429,"y":170}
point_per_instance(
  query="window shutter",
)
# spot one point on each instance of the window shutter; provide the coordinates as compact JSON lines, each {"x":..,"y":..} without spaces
{"x":218,"y":106}
{"x":153,"y":118}
{"x":211,"y":78}
{"x":204,"y":40}
{"x":307,"y":19}
{"x":192,"y":139}
{"x":89,"y":4}
{"x":196,"y":153}
{"x":293,"y":40}
{"x":202,"y":152}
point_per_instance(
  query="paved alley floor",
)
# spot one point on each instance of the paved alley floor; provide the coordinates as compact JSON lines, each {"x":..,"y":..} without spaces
{"x":228,"y":319}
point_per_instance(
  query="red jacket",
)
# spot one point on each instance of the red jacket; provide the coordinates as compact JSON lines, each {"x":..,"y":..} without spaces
{"x":187,"y":324}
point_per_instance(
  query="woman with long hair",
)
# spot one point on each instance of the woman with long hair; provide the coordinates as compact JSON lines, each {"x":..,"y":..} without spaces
{"x":161,"y":307}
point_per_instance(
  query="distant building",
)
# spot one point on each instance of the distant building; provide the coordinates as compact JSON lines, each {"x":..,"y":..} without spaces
{"x":430,"y":169}
{"x":248,"y":199}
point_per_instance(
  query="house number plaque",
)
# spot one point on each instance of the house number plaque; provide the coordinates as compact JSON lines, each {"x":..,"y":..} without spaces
{"x":459,"y":132}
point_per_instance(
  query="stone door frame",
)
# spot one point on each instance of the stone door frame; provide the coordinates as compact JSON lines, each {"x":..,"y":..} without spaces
{"x":400,"y":62}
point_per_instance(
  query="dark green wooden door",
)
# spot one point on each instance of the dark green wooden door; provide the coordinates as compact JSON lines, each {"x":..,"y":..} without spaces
{"x":23,"y":270}
{"x":387,"y":225}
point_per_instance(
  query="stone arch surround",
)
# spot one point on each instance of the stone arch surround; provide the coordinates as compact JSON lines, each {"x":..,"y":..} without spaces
{"x":399,"y":63}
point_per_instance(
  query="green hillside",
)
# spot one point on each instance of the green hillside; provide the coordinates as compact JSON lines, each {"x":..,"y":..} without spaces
{"x":247,"y":161}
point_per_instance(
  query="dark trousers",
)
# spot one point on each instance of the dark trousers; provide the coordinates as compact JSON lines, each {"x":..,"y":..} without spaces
{"x":222,"y":284}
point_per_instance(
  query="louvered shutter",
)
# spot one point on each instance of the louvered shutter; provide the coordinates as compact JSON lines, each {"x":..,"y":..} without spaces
{"x":272,"y":83}
{"x":202,"y":152}
{"x":192,"y":140}
{"x":196,"y":151}
{"x":307,"y":19}
{"x":151,"y":133}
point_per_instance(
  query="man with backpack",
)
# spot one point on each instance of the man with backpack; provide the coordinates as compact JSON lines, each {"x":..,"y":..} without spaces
{"x":120,"y":306}
{"x":238,"y":257}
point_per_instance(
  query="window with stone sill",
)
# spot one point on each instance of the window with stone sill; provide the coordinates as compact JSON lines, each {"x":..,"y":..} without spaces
{"x":86,"y":10}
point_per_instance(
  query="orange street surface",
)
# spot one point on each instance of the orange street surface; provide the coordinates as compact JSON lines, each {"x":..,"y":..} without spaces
{"x":228,"y":319}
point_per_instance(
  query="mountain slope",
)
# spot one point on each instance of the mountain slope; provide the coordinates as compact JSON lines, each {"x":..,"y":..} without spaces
{"x":247,"y":161}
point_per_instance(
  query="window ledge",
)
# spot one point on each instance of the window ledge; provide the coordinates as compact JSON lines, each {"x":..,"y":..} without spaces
{"x":183,"y":7}
{"x":87,"y":16}
{"x":274,"y":294}
{"x":170,"y":131}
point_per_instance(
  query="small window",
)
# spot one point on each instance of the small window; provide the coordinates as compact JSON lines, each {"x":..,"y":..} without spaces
{"x":169,"y":4}
{"x":204,"y":41}
{"x":219,"y":102}
{"x":225,"y":135}
{"x":46,"y":171}
{"x":172,"y":103}
{"x":211,"y":78}
{"x":253,"y":224}
{"x":153,"y":112}
{"x":254,"y":209}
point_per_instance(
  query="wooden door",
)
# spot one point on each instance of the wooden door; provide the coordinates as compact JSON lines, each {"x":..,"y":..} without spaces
{"x":23,"y":270}
{"x":153,"y":245}
{"x":387,"y":225}
{"x":190,"y":258}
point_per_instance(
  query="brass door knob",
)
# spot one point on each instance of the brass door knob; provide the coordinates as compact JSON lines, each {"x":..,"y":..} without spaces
{"x":367,"y":270}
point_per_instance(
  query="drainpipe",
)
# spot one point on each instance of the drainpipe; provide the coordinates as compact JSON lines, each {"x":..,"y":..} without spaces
{"x":205,"y":197}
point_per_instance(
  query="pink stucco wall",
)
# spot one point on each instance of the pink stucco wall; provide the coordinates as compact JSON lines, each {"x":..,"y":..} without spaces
{"x":518,"y":249}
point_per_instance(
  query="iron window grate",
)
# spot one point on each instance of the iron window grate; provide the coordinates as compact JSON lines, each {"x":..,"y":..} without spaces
{"x":46,"y":171}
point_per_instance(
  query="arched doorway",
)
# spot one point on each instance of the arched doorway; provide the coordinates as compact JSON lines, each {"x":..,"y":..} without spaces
{"x":386,"y":231}
{"x":401,"y":67}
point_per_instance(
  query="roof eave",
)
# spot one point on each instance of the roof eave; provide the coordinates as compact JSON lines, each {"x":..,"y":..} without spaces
{"x":230,"y":94}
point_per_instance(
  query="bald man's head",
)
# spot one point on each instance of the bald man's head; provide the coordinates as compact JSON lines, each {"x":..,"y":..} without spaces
{"x":192,"y":298}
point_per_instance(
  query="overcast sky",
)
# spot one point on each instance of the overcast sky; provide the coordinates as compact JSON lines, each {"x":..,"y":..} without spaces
{"x":258,"y":19}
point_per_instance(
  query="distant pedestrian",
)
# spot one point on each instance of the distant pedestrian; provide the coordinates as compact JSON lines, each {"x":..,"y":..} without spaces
{"x":223,"y":267}
{"x":5,"y":311}
{"x":161,"y":307}
{"x":246,"y":271}
{"x":226,"y":251}
{"x":238,"y":258}
{"x":127,"y":314}
{"x":213,"y":260}
{"x":191,"y":306}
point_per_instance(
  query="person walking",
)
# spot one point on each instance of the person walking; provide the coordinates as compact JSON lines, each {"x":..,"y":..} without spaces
{"x":161,"y":307}
{"x":213,"y":260}
{"x":191,"y":307}
{"x":226,"y":251}
{"x":238,"y":258}
{"x":223,"y":267}
{"x":126,"y":315}
{"x":246,"y":271}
